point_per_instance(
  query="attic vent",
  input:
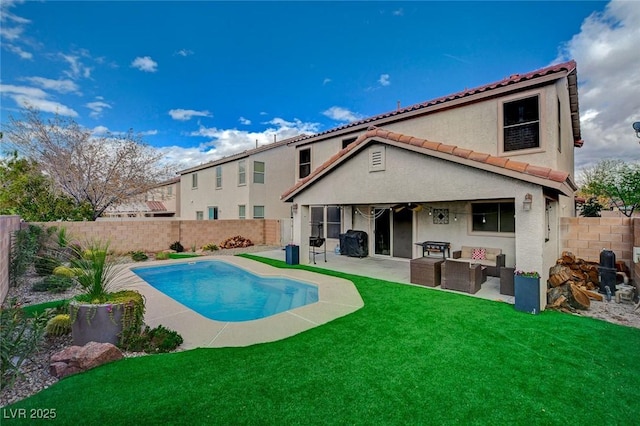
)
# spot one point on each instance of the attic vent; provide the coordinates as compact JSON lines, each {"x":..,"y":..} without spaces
{"x":376,"y":158}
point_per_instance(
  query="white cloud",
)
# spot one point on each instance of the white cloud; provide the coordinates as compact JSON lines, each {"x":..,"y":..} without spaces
{"x":341,"y":114}
{"x":61,"y":86}
{"x":12,"y":28}
{"x":37,"y":98}
{"x":384,"y":80}
{"x":244,"y":121}
{"x":225,"y":142}
{"x":398,"y":12}
{"x":145,"y":63}
{"x":184,"y":52}
{"x":606,"y":51}
{"x":326,"y":81}
{"x":77,"y":68}
{"x":18,"y":51}
{"x":187,"y":114}
{"x":97,"y":107}
{"x":99,"y":130}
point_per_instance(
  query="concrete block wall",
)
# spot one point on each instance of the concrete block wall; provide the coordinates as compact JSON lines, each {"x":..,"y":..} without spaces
{"x":587,"y":236}
{"x":156,"y":235}
{"x":8,"y":224}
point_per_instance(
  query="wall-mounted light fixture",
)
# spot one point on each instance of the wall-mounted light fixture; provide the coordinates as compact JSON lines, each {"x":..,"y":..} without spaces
{"x":528,"y":200}
{"x":636,"y":127}
{"x":294,"y":207}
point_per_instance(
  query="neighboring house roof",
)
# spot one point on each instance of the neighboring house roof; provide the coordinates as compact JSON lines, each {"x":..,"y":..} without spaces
{"x":241,"y":155}
{"x":156,"y":206}
{"x":558,"y":180}
{"x":468,"y":95}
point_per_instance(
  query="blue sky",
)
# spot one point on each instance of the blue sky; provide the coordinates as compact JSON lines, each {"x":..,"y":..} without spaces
{"x":201,"y":80}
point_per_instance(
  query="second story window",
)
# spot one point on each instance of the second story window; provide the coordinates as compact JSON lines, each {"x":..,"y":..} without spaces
{"x":242,"y":172}
{"x":194,"y":180}
{"x":304,"y":163}
{"x":218,"y":177}
{"x":258,"y":172}
{"x":242,"y":211}
{"x":258,"y":212}
{"x":521,"y":124}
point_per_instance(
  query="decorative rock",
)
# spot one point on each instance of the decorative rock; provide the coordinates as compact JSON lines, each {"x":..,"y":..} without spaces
{"x":75,"y":359}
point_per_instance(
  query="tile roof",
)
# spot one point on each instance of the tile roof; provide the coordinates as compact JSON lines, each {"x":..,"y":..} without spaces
{"x":156,"y":206}
{"x":449,"y":152}
{"x":568,"y":67}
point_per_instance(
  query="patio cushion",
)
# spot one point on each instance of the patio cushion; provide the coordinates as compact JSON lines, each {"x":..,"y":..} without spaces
{"x":478,"y":254}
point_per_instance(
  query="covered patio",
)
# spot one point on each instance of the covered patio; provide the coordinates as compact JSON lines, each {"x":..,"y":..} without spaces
{"x":386,"y":268}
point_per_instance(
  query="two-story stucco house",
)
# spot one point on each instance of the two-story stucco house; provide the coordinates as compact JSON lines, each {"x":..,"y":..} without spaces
{"x":491,"y":166}
{"x":241,"y":186}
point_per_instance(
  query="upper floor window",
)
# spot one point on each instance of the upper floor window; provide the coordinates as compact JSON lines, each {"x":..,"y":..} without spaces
{"x":218,"y":177}
{"x":258,"y":212}
{"x":199,"y":215}
{"x":194,"y":180}
{"x":258,"y":172}
{"x":493,"y":217}
{"x":521,"y":124}
{"x":242,"y":172}
{"x":304,"y":163}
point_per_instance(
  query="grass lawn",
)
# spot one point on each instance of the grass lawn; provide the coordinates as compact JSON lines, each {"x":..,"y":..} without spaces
{"x":410,"y":356}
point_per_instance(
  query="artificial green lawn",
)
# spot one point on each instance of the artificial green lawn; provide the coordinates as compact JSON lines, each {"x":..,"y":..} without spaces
{"x":410,"y":356}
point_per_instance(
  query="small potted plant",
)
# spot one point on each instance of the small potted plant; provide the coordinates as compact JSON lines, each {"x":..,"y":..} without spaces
{"x":102,"y":313}
{"x":527,"y":291}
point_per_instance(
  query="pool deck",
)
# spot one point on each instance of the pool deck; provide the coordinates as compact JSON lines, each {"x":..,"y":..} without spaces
{"x":337,"y":298}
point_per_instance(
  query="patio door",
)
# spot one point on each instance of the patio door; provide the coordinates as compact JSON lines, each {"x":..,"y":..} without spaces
{"x":382,"y":231}
{"x":393,"y":232}
{"x":403,"y":233}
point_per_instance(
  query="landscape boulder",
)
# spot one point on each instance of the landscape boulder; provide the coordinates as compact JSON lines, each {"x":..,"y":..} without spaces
{"x":76,"y":359}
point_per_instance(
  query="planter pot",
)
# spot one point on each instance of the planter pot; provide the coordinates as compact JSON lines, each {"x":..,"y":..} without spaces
{"x":527,"y":294}
{"x":96,"y":322}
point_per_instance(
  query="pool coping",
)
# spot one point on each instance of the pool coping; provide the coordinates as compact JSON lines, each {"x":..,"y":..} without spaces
{"x":337,"y":297}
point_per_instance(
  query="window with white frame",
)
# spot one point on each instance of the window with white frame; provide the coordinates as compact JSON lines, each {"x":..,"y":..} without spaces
{"x":258,"y":172}
{"x":218,"y":177}
{"x":333,"y":221}
{"x":194,"y":180}
{"x":242,"y":172}
{"x":493,"y":217}
{"x":258,"y":212}
{"x":521,"y":124}
{"x":199,"y":215}
{"x":242,"y":211}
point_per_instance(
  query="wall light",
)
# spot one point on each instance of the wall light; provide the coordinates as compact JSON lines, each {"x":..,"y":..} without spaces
{"x":636,"y":127}
{"x":528,"y":200}
{"x":294,"y":207}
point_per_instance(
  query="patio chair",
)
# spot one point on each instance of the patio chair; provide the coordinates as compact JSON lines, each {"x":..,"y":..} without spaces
{"x":461,"y":276}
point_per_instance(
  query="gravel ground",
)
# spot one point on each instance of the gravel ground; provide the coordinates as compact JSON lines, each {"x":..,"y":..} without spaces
{"x":36,"y":373}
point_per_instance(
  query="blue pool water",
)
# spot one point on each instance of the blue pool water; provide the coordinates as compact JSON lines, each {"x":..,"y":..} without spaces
{"x":223,"y":292}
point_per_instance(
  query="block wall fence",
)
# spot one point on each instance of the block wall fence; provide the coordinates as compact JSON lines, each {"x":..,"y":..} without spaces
{"x":148,"y":235}
{"x":8,"y":224}
{"x":587,"y":236}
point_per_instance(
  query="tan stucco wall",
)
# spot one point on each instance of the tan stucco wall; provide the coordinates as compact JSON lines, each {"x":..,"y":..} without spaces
{"x":477,"y":127}
{"x":8,"y":225}
{"x":587,"y":236}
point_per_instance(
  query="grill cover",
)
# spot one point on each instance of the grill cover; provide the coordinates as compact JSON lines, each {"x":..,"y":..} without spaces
{"x":354,"y":244}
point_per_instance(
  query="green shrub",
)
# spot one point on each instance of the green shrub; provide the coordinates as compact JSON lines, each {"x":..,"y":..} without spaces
{"x":21,"y":337}
{"x":45,"y":264}
{"x":64,"y":271}
{"x":156,"y":340}
{"x":139,"y":256}
{"x":25,"y":244}
{"x":59,"y":325}
{"x":53,"y":284}
{"x":163,"y":255}
{"x":210,"y":247}
{"x":177,"y":247}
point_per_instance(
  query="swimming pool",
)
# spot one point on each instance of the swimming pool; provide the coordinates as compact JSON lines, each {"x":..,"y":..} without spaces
{"x":224,"y":292}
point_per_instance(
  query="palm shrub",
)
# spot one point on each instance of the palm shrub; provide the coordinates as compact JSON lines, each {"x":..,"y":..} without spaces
{"x":95,"y":271}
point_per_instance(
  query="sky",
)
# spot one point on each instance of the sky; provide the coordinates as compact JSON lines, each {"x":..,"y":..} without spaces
{"x":204,"y":79}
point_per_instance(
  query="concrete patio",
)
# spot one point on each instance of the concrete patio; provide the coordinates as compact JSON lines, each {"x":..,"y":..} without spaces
{"x":386,"y":268}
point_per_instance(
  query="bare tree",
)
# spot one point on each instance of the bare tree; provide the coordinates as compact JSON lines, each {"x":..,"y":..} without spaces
{"x":99,"y":170}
